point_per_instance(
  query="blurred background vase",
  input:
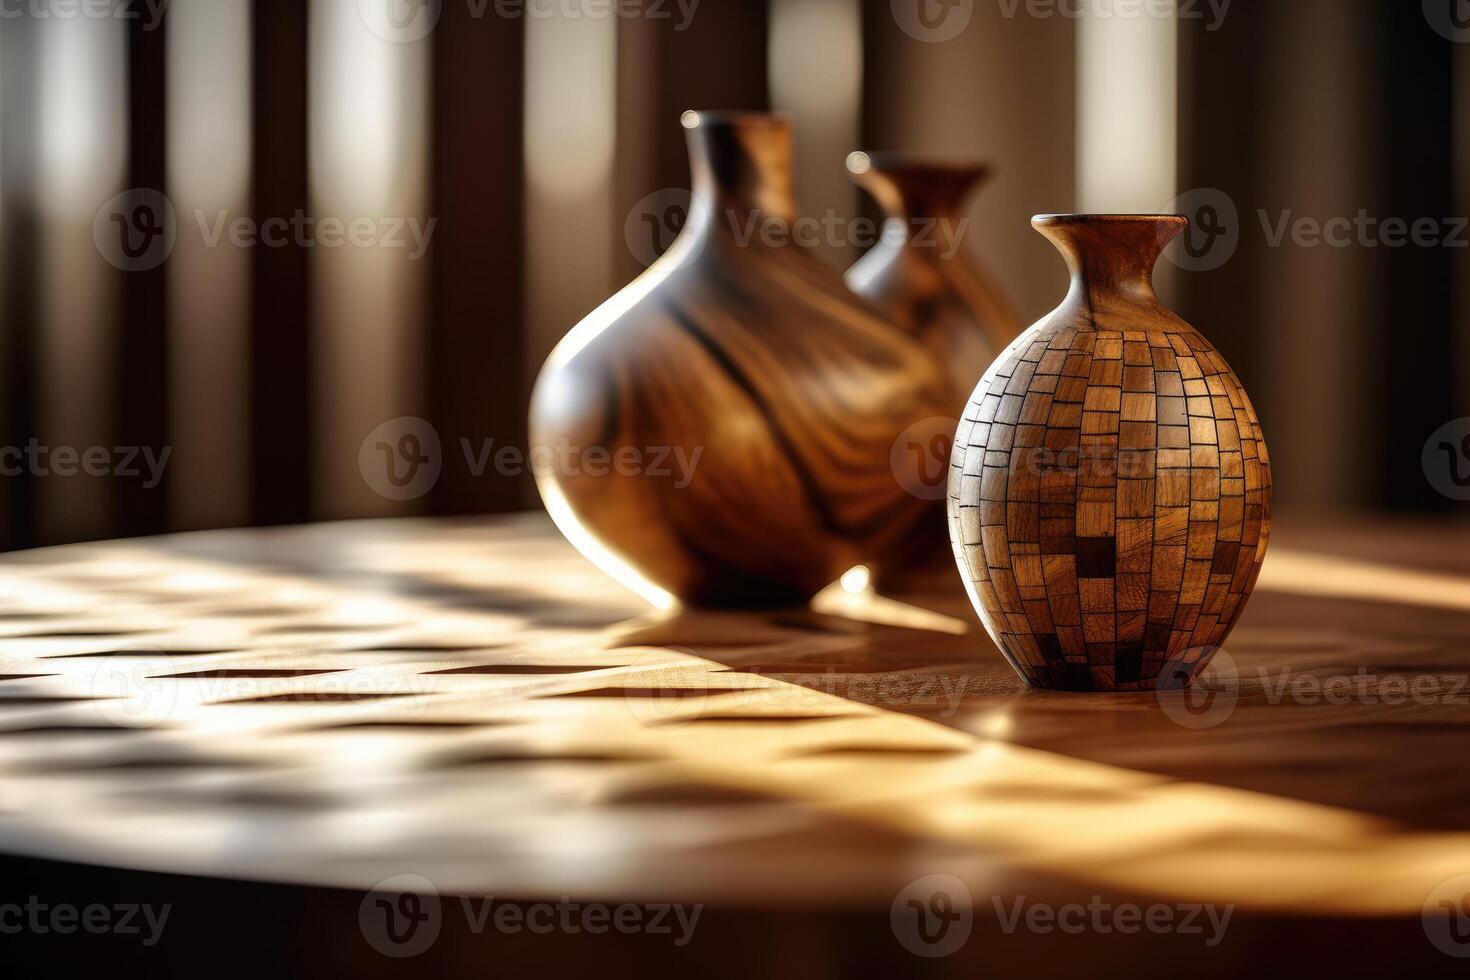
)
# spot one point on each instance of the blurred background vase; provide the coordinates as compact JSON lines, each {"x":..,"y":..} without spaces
{"x":919,"y":276}
{"x":753,"y":400}
{"x":1110,"y":493}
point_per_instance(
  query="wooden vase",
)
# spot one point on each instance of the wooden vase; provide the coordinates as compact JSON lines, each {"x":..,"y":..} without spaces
{"x":919,"y":276}
{"x":738,"y":349}
{"x":1110,"y":491}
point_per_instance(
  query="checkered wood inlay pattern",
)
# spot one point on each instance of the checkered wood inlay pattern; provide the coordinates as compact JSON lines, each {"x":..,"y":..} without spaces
{"x":1110,"y":498}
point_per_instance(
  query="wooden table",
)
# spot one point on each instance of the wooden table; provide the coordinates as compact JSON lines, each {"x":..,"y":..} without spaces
{"x":259,"y":727}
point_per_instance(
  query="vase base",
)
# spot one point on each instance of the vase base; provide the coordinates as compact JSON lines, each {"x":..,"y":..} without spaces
{"x":1172,"y":676}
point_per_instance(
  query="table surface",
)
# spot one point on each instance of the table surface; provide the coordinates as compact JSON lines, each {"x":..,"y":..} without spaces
{"x":473,"y":702}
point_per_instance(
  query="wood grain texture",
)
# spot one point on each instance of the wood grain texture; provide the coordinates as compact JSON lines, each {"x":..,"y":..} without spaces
{"x":740,"y":350}
{"x":1110,"y":489}
{"x":920,"y":276}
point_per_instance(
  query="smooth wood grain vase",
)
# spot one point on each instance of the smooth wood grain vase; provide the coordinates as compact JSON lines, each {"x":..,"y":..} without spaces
{"x":741,"y":350}
{"x":920,"y":277}
{"x":1110,"y":492}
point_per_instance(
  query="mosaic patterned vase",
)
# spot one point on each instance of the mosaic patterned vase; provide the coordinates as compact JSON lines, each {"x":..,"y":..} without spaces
{"x":926,"y":285}
{"x":768,"y":394}
{"x":1110,"y":491}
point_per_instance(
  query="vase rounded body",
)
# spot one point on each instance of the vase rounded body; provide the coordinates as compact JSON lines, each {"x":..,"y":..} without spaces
{"x":1110,"y":489}
{"x":920,"y":278}
{"x":769,"y":396}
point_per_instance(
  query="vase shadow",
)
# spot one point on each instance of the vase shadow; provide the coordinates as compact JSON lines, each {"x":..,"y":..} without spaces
{"x":1282,"y":735}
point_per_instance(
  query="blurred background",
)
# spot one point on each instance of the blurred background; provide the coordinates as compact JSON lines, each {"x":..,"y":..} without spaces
{"x":248,"y":233}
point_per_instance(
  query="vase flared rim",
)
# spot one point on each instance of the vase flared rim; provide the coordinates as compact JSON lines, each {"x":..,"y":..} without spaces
{"x":1079,"y":219}
{"x":861,"y":161}
{"x":695,"y":118}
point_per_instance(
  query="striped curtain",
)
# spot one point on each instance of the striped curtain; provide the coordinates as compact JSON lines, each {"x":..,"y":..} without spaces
{"x":259,"y":253}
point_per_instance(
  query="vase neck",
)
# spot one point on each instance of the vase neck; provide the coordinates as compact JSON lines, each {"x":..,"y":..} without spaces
{"x":921,"y":199}
{"x":1111,"y":255}
{"x":741,"y":162}
{"x":913,"y":189}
